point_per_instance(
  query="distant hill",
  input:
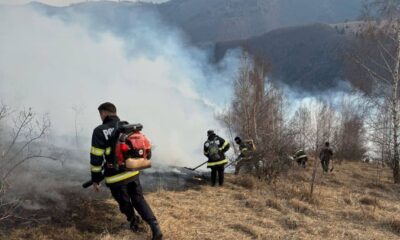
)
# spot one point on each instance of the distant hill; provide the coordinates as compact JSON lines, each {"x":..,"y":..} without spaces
{"x":207,"y":21}
{"x":225,"y":20}
{"x":308,"y":57}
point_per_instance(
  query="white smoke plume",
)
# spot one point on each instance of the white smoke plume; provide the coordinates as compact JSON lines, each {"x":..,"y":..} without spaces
{"x":54,"y":66}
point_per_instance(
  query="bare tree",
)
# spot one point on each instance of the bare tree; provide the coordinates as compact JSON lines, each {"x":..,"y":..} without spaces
{"x":350,"y":137}
{"x":27,"y":131}
{"x":377,"y":56}
{"x":257,"y":113}
{"x":22,"y":145}
{"x":78,"y":110}
{"x":301,"y":125}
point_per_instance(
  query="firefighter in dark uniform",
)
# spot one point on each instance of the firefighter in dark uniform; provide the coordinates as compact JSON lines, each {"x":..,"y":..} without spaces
{"x":124,"y":185}
{"x":246,"y":149}
{"x":301,"y":158}
{"x":325,"y":156}
{"x":214,"y":149}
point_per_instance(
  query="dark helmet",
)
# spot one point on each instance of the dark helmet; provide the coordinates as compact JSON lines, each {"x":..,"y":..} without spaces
{"x":238,"y":140}
{"x":327,"y":144}
{"x":210,"y":133}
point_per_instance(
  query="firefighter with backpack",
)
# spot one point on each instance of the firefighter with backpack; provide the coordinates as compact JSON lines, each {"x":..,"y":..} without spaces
{"x":116,"y":156}
{"x":214,"y":149}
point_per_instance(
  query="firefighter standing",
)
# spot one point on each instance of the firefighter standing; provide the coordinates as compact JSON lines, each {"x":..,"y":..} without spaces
{"x":325,"y":156}
{"x":301,"y":158}
{"x":124,"y":185}
{"x":214,"y":149}
{"x":245,"y":149}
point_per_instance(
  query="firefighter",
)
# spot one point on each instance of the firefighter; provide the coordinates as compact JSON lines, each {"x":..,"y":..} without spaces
{"x":325,"y":156}
{"x":214,"y":149}
{"x":124,"y":185}
{"x":245,"y":149}
{"x":301,"y":158}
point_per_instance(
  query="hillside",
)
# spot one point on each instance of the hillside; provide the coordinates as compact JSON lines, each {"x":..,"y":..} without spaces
{"x":352,"y":202}
{"x":215,"y":20}
{"x":307,"y":57}
{"x":226,"y":20}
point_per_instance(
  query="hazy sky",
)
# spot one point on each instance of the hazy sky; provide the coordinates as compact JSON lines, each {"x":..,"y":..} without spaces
{"x":61,"y":2}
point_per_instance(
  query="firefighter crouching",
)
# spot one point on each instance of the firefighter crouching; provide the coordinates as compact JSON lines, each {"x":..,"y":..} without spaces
{"x":124,"y":184}
{"x":301,"y":158}
{"x":214,"y":149}
{"x":246,"y":149}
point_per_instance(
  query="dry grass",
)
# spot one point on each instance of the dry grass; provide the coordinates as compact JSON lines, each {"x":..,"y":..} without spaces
{"x":347,"y":204}
{"x":300,"y":207}
{"x":369,"y":201}
{"x":275,"y":204}
{"x":393,"y":225}
{"x":247,"y":182}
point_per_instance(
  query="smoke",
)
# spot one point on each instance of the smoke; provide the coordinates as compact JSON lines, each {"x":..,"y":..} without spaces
{"x":67,"y":68}
{"x":67,"y":2}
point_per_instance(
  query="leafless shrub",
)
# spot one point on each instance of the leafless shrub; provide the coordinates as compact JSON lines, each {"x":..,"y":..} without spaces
{"x":19,"y":146}
{"x":257,"y":113}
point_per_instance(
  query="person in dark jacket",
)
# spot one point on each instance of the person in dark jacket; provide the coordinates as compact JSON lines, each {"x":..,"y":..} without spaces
{"x":124,"y":185}
{"x":325,"y":156}
{"x":246,"y":149}
{"x":214,"y":149}
{"x":301,"y":158}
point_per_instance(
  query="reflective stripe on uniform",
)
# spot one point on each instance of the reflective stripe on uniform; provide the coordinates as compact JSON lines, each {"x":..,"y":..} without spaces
{"x":108,"y":151}
{"x":97,"y":151}
{"x":121,"y":177}
{"x":95,"y":168}
{"x":211,"y":164}
{"x":302,"y":156}
{"x":223,"y":146}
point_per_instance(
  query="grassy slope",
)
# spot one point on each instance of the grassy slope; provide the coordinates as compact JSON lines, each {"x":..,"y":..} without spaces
{"x":348,"y":204}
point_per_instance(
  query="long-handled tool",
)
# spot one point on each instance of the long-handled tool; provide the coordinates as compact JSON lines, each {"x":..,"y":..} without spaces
{"x":233,"y":162}
{"x":193,"y":169}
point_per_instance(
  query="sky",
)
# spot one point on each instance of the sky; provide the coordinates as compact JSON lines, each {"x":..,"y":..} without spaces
{"x":62,"y":2}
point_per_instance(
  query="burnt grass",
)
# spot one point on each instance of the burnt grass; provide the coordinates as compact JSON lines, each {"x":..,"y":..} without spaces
{"x":88,"y":212}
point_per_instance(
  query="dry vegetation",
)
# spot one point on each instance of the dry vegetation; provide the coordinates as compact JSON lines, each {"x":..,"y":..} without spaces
{"x":348,"y":203}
